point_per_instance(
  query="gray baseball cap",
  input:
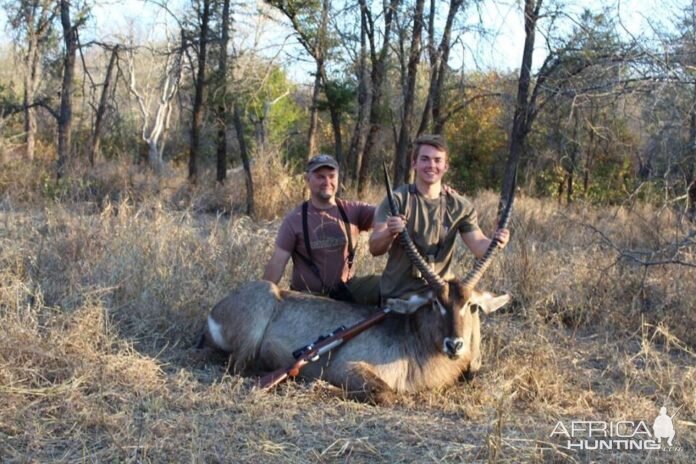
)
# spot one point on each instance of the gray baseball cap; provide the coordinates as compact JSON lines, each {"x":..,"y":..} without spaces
{"x":321,"y":161}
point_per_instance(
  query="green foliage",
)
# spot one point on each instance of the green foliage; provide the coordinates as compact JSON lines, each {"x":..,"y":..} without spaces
{"x":612,"y":181}
{"x":273,"y":103}
{"x":11,"y":121}
{"x":546,"y":182}
{"x":340,"y":95}
{"x":9,"y":100}
{"x":477,"y":141}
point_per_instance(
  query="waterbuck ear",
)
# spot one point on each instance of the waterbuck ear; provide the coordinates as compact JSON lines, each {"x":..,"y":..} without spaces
{"x":411,"y":305}
{"x":489,"y":302}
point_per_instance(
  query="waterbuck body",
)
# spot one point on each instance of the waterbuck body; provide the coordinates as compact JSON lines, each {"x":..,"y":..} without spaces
{"x":260,"y":326}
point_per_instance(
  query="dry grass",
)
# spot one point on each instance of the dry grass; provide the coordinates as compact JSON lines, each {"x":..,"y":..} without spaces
{"x":103,"y":291}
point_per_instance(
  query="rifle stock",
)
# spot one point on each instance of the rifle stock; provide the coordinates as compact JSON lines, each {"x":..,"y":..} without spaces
{"x":318,"y":348}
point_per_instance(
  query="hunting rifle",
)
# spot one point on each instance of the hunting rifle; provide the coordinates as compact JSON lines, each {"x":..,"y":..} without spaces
{"x":323,"y":344}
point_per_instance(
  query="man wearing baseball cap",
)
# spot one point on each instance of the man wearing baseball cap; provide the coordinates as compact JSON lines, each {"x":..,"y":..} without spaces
{"x":320,"y":236}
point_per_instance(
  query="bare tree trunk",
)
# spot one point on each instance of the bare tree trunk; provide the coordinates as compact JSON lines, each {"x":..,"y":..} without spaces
{"x":155,"y":134}
{"x":30,"y":84}
{"x":589,"y":155}
{"x":521,"y":120}
{"x":319,"y":54}
{"x":221,"y":149}
{"x":101,"y":109}
{"x":29,"y":124}
{"x":222,"y":83}
{"x":65,"y":112}
{"x":260,"y":132}
{"x":357,"y":143}
{"x":239,"y":128}
{"x":338,"y":143}
{"x":401,"y":161}
{"x":439,"y":116}
{"x":573,"y":158}
{"x":691,"y":175}
{"x":314,"y":110}
{"x":197,"y":119}
{"x":37,"y":17}
{"x":433,"y":55}
{"x":377,"y":77}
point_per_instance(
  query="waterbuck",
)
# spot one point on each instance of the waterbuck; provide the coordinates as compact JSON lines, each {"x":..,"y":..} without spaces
{"x":260,"y":325}
{"x":427,"y":342}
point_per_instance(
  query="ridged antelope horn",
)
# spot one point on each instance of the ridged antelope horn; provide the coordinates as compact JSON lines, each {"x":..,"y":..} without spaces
{"x":435,"y":282}
{"x":474,"y":275}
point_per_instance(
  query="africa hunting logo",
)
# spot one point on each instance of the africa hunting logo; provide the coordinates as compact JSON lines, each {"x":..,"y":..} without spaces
{"x":621,"y":435}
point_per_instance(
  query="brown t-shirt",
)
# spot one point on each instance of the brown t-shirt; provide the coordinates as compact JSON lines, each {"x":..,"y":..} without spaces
{"x":433,"y":225}
{"x":328,"y":241}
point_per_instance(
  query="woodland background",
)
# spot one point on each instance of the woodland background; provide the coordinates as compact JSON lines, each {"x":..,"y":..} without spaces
{"x":144,"y":175}
{"x":594,"y":111}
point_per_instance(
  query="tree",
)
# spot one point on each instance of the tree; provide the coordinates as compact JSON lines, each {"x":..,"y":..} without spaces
{"x":264,"y":94}
{"x":477,"y":131}
{"x":261,"y":96}
{"x":32,"y":23}
{"x":101,"y":108}
{"x":439,"y":68}
{"x":71,"y":43}
{"x":310,"y":22}
{"x":154,"y":126}
{"x":565,"y":73}
{"x":339,"y":99}
{"x":401,"y":158}
{"x":203,"y":13}
{"x":522,"y":119}
{"x":684,"y":59}
{"x":359,"y":137}
{"x":378,"y":59}
{"x":221,"y":112}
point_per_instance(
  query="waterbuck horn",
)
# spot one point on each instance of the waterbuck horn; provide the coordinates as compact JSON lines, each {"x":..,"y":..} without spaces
{"x":434,"y":281}
{"x":474,"y":275}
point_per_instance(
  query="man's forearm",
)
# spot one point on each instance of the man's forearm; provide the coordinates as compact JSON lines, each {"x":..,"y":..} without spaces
{"x":275,"y":268}
{"x":481,"y":247}
{"x":477,"y":242}
{"x":380,"y":241}
{"x":270,"y":274}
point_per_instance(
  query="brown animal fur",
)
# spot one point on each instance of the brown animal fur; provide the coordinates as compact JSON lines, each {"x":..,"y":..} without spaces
{"x":260,"y":326}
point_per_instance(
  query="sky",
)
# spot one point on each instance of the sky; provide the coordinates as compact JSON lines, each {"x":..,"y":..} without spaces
{"x":504,"y":20}
{"x":501,"y":49}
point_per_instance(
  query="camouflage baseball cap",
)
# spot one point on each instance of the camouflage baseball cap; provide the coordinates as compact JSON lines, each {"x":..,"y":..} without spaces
{"x":321,"y":161}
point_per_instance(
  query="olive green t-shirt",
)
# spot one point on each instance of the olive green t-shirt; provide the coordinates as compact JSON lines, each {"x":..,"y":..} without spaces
{"x":433,"y":225}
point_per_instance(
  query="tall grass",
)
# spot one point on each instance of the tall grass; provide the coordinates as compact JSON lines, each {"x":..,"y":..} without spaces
{"x":104,"y":285}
